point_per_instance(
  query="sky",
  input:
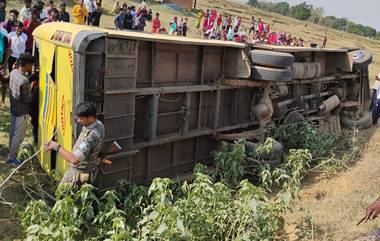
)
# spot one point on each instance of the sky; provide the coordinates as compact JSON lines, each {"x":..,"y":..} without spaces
{"x":359,"y":11}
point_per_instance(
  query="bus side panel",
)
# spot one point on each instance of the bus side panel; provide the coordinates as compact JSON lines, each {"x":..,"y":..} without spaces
{"x":47,"y":101}
{"x":64,"y":82}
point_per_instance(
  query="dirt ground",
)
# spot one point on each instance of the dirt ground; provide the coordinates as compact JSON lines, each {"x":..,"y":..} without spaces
{"x":337,"y":203}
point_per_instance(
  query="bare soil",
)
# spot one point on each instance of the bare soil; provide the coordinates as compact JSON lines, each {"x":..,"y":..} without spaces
{"x":337,"y":203}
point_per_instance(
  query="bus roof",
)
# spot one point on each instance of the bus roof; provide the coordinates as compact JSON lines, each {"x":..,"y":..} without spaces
{"x":47,"y":31}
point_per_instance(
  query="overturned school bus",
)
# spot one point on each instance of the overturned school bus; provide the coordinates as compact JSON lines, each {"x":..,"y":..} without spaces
{"x":168,"y":100}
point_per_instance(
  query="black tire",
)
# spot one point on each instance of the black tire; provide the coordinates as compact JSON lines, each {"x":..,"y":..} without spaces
{"x":271,"y":74}
{"x":271,"y":58}
{"x":362,"y":58}
{"x":275,"y":154}
{"x":364,"y":122}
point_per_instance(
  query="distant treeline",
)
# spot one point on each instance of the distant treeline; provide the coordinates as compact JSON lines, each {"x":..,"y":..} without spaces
{"x":313,"y":14}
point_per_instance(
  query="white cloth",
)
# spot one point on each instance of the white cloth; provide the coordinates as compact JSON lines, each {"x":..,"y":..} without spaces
{"x":90,"y":5}
{"x":43,"y":15}
{"x":376,"y":86}
{"x":18,"y":44}
{"x":25,"y":13}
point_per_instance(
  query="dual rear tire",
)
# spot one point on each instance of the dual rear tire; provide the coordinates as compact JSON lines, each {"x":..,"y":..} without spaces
{"x":271,"y":65}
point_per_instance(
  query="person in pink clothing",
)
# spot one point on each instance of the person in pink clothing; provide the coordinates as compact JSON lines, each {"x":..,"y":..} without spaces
{"x":261,"y":26}
{"x":211,"y":20}
{"x":238,"y":22}
{"x":272,"y":38}
{"x":156,"y":24}
{"x":205,"y":20}
{"x":219,"y":22}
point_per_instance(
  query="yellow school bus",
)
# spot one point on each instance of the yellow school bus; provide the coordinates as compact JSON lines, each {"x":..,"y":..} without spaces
{"x":169,"y":100}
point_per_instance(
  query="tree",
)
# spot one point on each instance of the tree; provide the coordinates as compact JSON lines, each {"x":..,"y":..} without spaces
{"x":301,"y":11}
{"x":329,"y":21}
{"x":282,"y":8}
{"x":253,"y":3}
{"x":356,"y":29}
{"x":369,"y":31}
{"x":378,"y":35}
{"x":316,"y":15}
{"x":340,"y":24}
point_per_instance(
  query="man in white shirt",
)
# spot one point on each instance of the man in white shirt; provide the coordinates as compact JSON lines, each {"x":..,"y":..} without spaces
{"x":91,"y":6}
{"x":26,"y":10}
{"x":17,"y":40}
{"x":375,"y":103}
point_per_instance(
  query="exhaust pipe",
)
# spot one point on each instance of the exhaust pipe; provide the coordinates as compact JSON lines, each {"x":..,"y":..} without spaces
{"x":329,"y":104}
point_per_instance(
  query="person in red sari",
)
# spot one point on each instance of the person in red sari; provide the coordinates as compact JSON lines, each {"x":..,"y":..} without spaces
{"x":219,"y":23}
{"x":212,"y":19}
{"x":29,"y":26}
{"x":206,"y":17}
{"x":156,"y":24}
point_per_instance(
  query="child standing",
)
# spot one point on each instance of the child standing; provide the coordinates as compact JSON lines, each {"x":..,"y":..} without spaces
{"x":173,"y":26}
{"x":219,"y":23}
{"x":156,"y":24}
{"x":180,"y":26}
{"x":184,"y":31}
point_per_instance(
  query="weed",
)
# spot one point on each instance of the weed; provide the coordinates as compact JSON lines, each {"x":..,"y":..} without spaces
{"x":202,"y":210}
{"x":305,"y":228}
{"x":305,"y":136}
{"x":230,"y":163}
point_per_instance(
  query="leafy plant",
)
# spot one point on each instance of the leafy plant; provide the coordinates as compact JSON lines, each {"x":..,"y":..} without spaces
{"x":305,"y":136}
{"x":230,"y":163}
{"x":201,"y":210}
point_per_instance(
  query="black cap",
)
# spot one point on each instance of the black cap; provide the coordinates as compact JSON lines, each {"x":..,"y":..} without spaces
{"x":26,"y":58}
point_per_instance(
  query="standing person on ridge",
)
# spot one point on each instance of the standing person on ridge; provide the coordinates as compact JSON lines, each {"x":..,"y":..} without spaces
{"x":80,"y":13}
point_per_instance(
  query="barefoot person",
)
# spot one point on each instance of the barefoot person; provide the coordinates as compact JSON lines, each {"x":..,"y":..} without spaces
{"x":84,"y":159}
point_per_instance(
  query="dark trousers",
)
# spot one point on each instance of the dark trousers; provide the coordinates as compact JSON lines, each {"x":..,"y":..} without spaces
{"x":251,"y":30}
{"x":89,"y":19}
{"x":376,"y":111}
{"x":11,"y":62}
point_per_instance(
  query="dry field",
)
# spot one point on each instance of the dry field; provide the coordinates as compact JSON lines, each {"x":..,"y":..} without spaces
{"x":336,"y":203}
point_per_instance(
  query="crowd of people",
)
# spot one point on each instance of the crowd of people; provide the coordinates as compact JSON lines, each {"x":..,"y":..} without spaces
{"x":228,"y":28}
{"x":16,"y":32}
{"x":211,"y":24}
{"x":18,"y":66}
{"x":132,"y":18}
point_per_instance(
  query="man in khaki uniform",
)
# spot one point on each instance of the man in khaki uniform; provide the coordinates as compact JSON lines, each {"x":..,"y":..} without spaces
{"x":84,"y":159}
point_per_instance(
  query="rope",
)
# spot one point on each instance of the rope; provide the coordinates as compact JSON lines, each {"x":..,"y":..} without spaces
{"x":24,"y":162}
